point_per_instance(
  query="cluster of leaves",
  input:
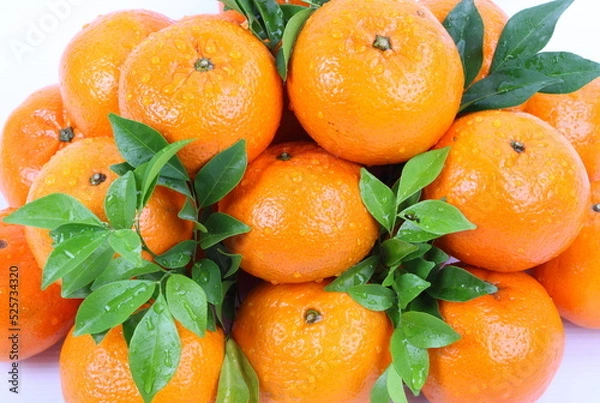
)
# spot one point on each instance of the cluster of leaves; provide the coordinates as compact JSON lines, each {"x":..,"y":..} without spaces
{"x":103,"y":262}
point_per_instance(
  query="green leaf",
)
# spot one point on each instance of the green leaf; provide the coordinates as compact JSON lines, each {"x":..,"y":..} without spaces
{"x":95,"y":264}
{"x":238,"y":381}
{"x":178,"y":185}
{"x":410,"y":232}
{"x":131,"y":323}
{"x":228,"y":261}
{"x":121,"y":168}
{"x":527,"y":32}
{"x":395,"y":386}
{"x":425,"y":303}
{"x":225,"y":310}
{"x":437,"y":217}
{"x":456,"y":284}
{"x":379,"y":392}
{"x":394,"y":250}
{"x":189,"y":211}
{"x":358,"y":274}
{"x":207,"y":274}
{"x":246,"y":8}
{"x":121,"y":201}
{"x":420,"y":171}
{"x":122,"y":269}
{"x":289,"y":10}
{"x":221,"y":226}
{"x":187,"y":302}
{"x":70,"y":255}
{"x":290,"y":33}
{"x":127,"y":243}
{"x":465,"y":26}
{"x":138,"y":143}
{"x":372,"y":296}
{"x":436,"y":255}
{"x":378,"y":199}
{"x":426,"y":331}
{"x":154,"y":350}
{"x":110,"y":304}
{"x":221,"y":174}
{"x":272,"y":19}
{"x":70,"y":230}
{"x":408,"y":286}
{"x":411,"y":362}
{"x":178,"y":256}
{"x":51,"y":211}
{"x":419,"y":266}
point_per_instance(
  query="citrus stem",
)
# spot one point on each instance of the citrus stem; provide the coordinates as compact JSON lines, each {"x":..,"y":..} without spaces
{"x":517,"y":146}
{"x":596,"y":207}
{"x":66,"y":135}
{"x":284,"y":156}
{"x":203,"y":64}
{"x":312,"y":316}
{"x":97,"y":178}
{"x":382,"y":43}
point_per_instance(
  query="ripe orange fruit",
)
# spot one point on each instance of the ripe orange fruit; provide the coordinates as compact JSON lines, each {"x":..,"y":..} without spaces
{"x":577,"y":117}
{"x":90,"y":65}
{"x":519,"y":181}
{"x":494,"y":20}
{"x":307,"y":219}
{"x":32,"y":134}
{"x":82,"y":170}
{"x":511,"y":344}
{"x":310,"y":345}
{"x":375,"y":82}
{"x":32,"y":320}
{"x":573,"y":278}
{"x":91,"y":372}
{"x":207,"y":79}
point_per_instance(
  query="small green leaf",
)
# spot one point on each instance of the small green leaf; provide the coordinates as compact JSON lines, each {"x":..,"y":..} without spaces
{"x":131,"y":323}
{"x":420,"y":171}
{"x":425,"y":303}
{"x":395,"y":386}
{"x":420,"y":267}
{"x":410,"y":232}
{"x":225,"y":310}
{"x":121,"y":201}
{"x":408,"y":286}
{"x":379,"y":392}
{"x":372,"y":296}
{"x":221,"y":174}
{"x":228,"y":261}
{"x":238,"y":381}
{"x":189,"y":211}
{"x":289,"y":10}
{"x":187,"y":302}
{"x":154,"y":350}
{"x":436,"y":217}
{"x":178,"y":185}
{"x":207,"y":274}
{"x":110,"y":304}
{"x":178,"y":256}
{"x":465,"y":26}
{"x":51,"y":211}
{"x":122,"y":269}
{"x":290,"y":33}
{"x":360,"y":273}
{"x":127,"y":243}
{"x":436,"y":255}
{"x":221,"y":226}
{"x":426,"y":331}
{"x":423,"y":249}
{"x":456,"y":284}
{"x":378,"y":199}
{"x":95,"y":264}
{"x":394,"y":250}
{"x":67,"y":231}
{"x":411,"y":362}
{"x":272,"y":19}
{"x":121,"y":168}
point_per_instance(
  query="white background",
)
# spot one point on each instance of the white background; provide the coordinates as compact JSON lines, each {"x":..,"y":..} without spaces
{"x":32,"y":36}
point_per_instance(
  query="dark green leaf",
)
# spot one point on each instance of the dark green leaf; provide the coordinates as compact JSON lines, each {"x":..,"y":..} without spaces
{"x":360,"y":273}
{"x":527,"y":32}
{"x":221,"y":174}
{"x":394,"y":250}
{"x":122,"y":269}
{"x":121,"y":201}
{"x":420,"y":171}
{"x":456,"y":284}
{"x":121,"y":168}
{"x":247,"y":9}
{"x":410,"y":232}
{"x":423,"y":249}
{"x":437,"y":255}
{"x":411,"y":362}
{"x":95,"y":264}
{"x":110,"y":304}
{"x":154,"y":350}
{"x":465,"y":26}
{"x":419,"y":267}
{"x":178,"y":185}
{"x":408,"y":286}
{"x":70,"y":230}
{"x":221,"y":226}
{"x":395,"y":386}
{"x":51,"y":211}
{"x":131,"y":323}
{"x":229,"y":261}
{"x":207,"y":274}
{"x":238,"y":381}
{"x":378,"y":199}
{"x":426,"y":331}
{"x":425,"y":303}
{"x":289,"y":10}
{"x":189,"y":211}
{"x":178,"y":256}
{"x":372,"y":296}
{"x":272,"y":19}
{"x":98,"y":337}
{"x":127,"y":243}
{"x":225,"y":310}
{"x":187,"y":302}
{"x":290,"y":33}
{"x":437,"y":217}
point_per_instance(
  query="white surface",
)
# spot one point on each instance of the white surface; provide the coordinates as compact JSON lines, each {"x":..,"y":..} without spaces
{"x":43,"y":28}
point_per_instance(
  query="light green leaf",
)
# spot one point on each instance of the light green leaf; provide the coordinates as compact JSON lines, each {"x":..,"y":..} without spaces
{"x":120,"y":268}
{"x":373,"y":296}
{"x":238,"y":381}
{"x":395,"y":386}
{"x":426,"y":331}
{"x":208,"y":275}
{"x":456,"y":284}
{"x":436,"y":217}
{"x":178,"y":256}
{"x":121,"y":201}
{"x":420,"y":171}
{"x":378,"y":199}
{"x":187,"y":302}
{"x":127,"y":243}
{"x":394,"y":250}
{"x":292,"y":29}
{"x":221,"y":226}
{"x":408,"y":286}
{"x":360,"y":273}
{"x":411,"y":362}
{"x":95,"y":264}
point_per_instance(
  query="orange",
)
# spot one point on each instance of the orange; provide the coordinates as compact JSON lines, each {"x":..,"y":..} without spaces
{"x":573,"y":278}
{"x":577,"y":117}
{"x":306,"y":216}
{"x":310,"y":345}
{"x":206,"y":79}
{"x":82,"y":170}
{"x":33,"y":132}
{"x":519,"y":181}
{"x":493,"y":17}
{"x":91,"y":372}
{"x":90,"y":65}
{"x":375,"y":82}
{"x":32,"y":320}
{"x":512,"y":343}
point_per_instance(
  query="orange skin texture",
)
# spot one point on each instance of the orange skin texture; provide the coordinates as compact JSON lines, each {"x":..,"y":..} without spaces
{"x":577,"y":117}
{"x":368,"y":105}
{"x":43,"y":317}
{"x":306,"y":216}
{"x":29,"y":139}
{"x":337,"y":358}
{"x":573,"y":278}
{"x":90,"y":65}
{"x":100,"y":373}
{"x":69,"y":172}
{"x":528,"y":206}
{"x":512,"y":343}
{"x":239,"y":98}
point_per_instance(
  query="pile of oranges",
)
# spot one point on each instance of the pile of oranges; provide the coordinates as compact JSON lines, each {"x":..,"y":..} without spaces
{"x":369,"y":85}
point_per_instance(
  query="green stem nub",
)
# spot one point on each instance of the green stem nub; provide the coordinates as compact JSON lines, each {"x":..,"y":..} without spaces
{"x":97,"y":178}
{"x":312,"y":316}
{"x":596,"y":207}
{"x":517,"y":146}
{"x":202,"y":65}
{"x":382,"y":42}
{"x":284,"y":156}
{"x":66,"y":135}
